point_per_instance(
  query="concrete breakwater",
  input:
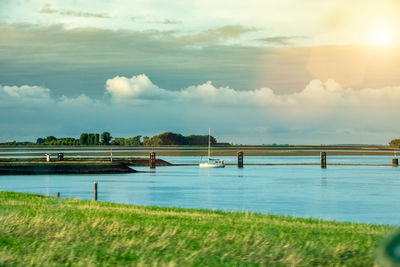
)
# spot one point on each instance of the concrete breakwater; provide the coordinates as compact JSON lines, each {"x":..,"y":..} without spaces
{"x":126,"y":161}
{"x":30,"y":168}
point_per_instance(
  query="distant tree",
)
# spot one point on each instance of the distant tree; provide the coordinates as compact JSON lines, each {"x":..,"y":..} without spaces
{"x":91,"y":139}
{"x":133,"y":141}
{"x":118,"y":141}
{"x":146,"y":141}
{"x":50,"y":139}
{"x":97,"y":139}
{"x":83,"y":140}
{"x":66,"y":141}
{"x":105,"y":138}
{"x":52,"y":143}
{"x":40,"y":140}
{"x":395,"y":143}
{"x":169,"y":138}
{"x":213,"y":140}
{"x":196,"y":140}
{"x":165,"y":139}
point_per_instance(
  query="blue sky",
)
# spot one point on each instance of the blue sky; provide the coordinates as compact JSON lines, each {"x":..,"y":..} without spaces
{"x":256,"y":72}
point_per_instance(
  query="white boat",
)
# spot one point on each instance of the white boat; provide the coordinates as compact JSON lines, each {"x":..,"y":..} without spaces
{"x":211,"y":163}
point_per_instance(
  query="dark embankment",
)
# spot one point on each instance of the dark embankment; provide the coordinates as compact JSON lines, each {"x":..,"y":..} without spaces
{"x":125,"y":161}
{"x":63,"y":168}
{"x":143,"y":162}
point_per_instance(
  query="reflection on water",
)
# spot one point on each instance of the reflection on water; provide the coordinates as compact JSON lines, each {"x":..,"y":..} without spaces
{"x":345,"y":193}
{"x":324,"y":181}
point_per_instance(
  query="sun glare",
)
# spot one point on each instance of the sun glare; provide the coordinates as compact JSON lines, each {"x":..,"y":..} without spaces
{"x":381,"y":37}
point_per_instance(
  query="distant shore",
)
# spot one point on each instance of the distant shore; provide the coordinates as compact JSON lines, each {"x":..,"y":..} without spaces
{"x":196,"y":150}
{"x":91,"y":160}
{"x":140,"y":151}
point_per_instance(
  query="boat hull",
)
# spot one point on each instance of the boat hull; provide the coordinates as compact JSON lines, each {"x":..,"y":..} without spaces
{"x":211,"y":165}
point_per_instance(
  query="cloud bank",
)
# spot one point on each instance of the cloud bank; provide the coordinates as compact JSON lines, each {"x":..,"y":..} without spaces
{"x":323,"y":112}
{"x":316,"y":95}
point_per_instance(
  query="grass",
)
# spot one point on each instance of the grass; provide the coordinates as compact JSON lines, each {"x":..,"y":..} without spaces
{"x":41,"y":230}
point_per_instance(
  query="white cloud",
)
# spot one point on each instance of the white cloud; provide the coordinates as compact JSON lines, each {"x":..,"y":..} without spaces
{"x":24,"y":96}
{"x":38,"y":96}
{"x":81,"y":100}
{"x":323,"y":112}
{"x":316,"y":95}
{"x":26,"y":91}
{"x":138,"y":87}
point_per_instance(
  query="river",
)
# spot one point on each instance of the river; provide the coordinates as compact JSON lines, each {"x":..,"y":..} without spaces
{"x":367,"y":194}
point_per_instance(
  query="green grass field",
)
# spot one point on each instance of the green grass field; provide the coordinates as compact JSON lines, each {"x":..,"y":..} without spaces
{"x":41,"y":230}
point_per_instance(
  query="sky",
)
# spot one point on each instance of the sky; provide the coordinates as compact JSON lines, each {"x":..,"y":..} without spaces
{"x":255,"y":72}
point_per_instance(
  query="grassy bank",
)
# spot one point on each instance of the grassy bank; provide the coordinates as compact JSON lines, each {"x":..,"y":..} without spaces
{"x":43,"y":230}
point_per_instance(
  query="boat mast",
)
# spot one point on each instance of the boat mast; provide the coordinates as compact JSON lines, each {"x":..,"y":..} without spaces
{"x":209,"y":143}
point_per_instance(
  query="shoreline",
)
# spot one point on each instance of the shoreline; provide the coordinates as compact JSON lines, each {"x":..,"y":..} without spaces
{"x":199,"y":153}
{"x":98,"y":162}
{"x":35,"y":166}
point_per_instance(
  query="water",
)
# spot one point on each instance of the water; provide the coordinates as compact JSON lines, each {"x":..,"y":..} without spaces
{"x":343,"y":193}
{"x":287,"y":159}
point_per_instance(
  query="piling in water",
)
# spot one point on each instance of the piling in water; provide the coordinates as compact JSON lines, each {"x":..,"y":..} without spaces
{"x":58,"y":194}
{"x":323,"y":160}
{"x":152,"y":162}
{"x":395,"y":162}
{"x":95,"y":191}
{"x":240,"y":159}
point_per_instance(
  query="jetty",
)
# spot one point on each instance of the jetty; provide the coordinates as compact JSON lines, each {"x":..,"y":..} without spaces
{"x":22,"y":168}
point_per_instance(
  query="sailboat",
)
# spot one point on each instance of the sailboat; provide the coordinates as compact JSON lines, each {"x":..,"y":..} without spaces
{"x":211,"y":163}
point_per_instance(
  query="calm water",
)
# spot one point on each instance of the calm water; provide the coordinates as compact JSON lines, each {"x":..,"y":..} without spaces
{"x":343,"y":193}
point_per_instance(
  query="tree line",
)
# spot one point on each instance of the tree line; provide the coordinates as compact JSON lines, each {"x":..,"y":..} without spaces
{"x":169,"y":138}
{"x":86,"y":139}
{"x":395,"y":143}
{"x":94,"y":139}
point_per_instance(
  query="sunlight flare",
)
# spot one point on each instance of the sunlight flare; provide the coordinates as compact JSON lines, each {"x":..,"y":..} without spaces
{"x":382,"y":36}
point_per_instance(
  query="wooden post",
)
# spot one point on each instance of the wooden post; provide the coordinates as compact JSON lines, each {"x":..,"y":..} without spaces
{"x":58,"y":194}
{"x":95,"y":191}
{"x":152,"y":162}
{"x":395,"y":162}
{"x":323,"y":160}
{"x":240,"y":159}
